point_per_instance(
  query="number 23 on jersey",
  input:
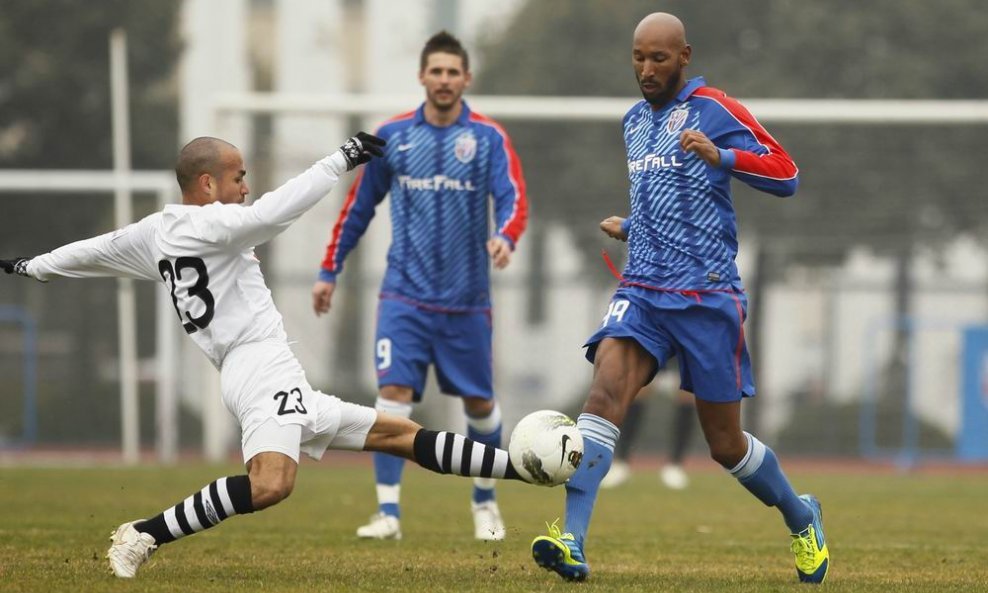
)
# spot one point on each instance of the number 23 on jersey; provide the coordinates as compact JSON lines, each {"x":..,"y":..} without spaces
{"x":200,"y":290}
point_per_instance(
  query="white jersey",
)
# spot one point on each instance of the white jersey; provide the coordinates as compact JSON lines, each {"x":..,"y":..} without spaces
{"x":204,"y":255}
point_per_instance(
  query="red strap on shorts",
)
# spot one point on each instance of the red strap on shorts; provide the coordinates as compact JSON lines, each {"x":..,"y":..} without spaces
{"x":610,"y":265}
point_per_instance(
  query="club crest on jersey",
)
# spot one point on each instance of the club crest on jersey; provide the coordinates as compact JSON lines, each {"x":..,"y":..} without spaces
{"x":465,"y":147}
{"x":677,"y":119}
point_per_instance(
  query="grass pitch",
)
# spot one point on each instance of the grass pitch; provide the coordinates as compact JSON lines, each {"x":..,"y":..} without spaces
{"x":887,"y":532}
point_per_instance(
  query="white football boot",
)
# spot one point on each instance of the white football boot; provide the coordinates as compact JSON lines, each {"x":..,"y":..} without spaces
{"x":381,"y":526}
{"x":129,"y":550}
{"x":619,"y":473}
{"x":487,"y":522}
{"x":674,"y":477}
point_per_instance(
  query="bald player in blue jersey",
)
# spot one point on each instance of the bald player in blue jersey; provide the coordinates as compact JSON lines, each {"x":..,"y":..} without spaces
{"x":443,"y":167}
{"x":680,"y":295}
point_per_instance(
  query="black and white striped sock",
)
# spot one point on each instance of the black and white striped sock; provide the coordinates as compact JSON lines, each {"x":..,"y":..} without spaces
{"x":451,"y":453}
{"x":217,"y":501}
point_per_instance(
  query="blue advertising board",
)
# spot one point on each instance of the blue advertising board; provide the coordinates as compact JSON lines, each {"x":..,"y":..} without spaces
{"x":972,"y":442}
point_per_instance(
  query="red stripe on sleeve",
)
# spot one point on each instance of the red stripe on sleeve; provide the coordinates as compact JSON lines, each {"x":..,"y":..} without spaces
{"x":329,"y":263}
{"x":776,"y":164}
{"x":518,"y":220}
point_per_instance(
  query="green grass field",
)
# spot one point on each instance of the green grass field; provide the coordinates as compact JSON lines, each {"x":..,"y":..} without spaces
{"x":886,"y":532}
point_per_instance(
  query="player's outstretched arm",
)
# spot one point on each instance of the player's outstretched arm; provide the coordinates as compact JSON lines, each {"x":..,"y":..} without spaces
{"x":122,"y":253}
{"x":276,"y":210}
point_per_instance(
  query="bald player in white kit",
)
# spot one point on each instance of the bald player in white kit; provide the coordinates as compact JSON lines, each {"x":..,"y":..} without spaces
{"x":203,"y":252}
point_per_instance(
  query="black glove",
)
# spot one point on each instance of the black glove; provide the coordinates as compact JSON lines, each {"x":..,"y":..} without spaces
{"x":18,"y":265}
{"x":361,"y":148}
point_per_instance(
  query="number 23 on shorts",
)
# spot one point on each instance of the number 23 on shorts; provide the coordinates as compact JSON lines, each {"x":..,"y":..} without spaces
{"x":616,"y":311}
{"x":290,"y":402}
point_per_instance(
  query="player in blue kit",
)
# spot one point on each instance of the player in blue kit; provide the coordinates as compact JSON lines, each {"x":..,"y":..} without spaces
{"x":442,"y":166}
{"x":680,"y":294}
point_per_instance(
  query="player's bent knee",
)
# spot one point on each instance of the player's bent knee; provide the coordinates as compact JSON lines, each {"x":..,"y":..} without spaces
{"x":725,"y":452}
{"x":272,"y":478}
{"x":266,"y":493}
{"x":397,"y":393}
{"x":478,"y":407}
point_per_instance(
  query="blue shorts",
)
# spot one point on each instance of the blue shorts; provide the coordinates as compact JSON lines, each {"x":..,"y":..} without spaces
{"x":704,"y":330}
{"x":410,"y":338}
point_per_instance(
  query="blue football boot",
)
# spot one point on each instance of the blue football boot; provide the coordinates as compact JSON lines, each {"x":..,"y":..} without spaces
{"x":561,"y":553}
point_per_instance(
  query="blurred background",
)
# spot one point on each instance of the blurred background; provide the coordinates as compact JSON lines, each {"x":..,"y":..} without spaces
{"x":868,"y":291}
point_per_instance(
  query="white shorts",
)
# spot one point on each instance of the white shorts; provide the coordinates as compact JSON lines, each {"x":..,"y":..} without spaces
{"x":264,"y":386}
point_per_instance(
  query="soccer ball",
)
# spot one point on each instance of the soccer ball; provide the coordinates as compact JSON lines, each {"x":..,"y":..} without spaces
{"x":546,"y":447}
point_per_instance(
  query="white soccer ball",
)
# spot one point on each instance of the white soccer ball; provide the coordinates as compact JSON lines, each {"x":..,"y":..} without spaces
{"x":546,"y":447}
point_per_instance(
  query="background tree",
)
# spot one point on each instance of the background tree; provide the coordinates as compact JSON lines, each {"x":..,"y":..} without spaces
{"x":54,"y":90}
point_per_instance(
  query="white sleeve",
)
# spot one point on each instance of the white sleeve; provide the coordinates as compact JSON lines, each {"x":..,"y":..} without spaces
{"x":123,"y":253}
{"x":248,"y":226}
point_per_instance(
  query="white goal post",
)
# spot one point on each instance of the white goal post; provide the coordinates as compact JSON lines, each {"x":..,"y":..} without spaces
{"x":820,"y":111}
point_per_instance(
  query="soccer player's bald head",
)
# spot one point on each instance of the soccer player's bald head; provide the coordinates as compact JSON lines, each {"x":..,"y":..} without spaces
{"x":663,"y":28}
{"x":211,"y":170}
{"x":202,"y":155}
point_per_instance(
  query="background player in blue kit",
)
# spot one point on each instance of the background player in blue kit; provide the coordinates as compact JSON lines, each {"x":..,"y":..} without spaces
{"x":681,"y":294}
{"x":442,"y":165}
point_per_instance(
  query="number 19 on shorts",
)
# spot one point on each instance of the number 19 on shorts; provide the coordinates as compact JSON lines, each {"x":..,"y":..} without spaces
{"x":616,"y":311}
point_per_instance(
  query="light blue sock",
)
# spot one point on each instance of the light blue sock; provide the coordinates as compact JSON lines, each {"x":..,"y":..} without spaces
{"x":387,"y":474}
{"x":599,"y":438}
{"x":760,"y":473}
{"x":387,"y":467}
{"x":486,"y":430}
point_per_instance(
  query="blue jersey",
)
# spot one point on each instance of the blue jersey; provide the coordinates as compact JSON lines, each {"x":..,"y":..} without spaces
{"x":440,"y":180}
{"x":682,"y":231}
